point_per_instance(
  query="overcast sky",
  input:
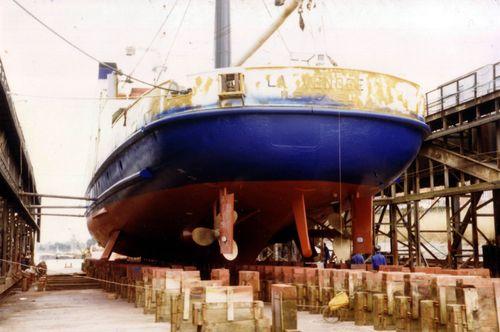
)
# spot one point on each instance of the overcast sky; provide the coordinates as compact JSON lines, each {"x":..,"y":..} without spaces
{"x":428,"y":42}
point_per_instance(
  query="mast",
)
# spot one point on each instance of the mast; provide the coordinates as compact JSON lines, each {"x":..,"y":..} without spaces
{"x":222,"y":34}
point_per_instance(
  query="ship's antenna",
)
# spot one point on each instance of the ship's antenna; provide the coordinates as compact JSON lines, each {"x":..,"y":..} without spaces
{"x":222,"y":34}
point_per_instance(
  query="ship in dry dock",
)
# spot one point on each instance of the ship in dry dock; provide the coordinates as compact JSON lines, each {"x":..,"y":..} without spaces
{"x":242,"y":155}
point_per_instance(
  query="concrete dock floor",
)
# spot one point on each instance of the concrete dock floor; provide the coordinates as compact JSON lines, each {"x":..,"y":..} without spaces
{"x":93,"y":310}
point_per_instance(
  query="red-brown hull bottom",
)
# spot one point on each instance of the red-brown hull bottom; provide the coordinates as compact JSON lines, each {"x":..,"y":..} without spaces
{"x":151,"y":224}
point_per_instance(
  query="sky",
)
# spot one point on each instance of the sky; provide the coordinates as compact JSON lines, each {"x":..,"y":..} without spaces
{"x":54,"y":86}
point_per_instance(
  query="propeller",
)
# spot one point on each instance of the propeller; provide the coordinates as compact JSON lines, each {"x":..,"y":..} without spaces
{"x":204,"y":236}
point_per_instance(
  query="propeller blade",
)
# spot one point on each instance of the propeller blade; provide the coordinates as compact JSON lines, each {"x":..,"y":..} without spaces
{"x":203,"y":236}
{"x":232,"y":256}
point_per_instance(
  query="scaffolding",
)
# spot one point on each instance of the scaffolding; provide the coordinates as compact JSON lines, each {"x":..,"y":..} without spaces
{"x":19,"y":226}
{"x":457,"y":170}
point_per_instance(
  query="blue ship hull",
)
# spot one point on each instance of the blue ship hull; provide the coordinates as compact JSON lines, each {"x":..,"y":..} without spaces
{"x":186,"y":148}
{"x":166,"y":176}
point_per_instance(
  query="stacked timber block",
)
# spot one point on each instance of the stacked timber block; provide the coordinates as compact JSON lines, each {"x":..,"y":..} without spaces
{"x":349,"y":281}
{"x":179,"y":306}
{"x":134,"y":274}
{"x":284,"y":307}
{"x":221,"y":274}
{"x":250,"y":278}
{"x":312,"y":291}
{"x":325,"y":284}
{"x":147,"y":278}
{"x":429,"y":299}
{"x":266,"y":282}
{"x":221,"y":308}
{"x":299,"y":281}
{"x":392,"y":268}
{"x":168,"y":284}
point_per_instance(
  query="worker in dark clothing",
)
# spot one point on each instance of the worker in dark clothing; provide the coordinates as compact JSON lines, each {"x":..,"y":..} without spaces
{"x":378,"y":259}
{"x":357,"y":259}
{"x":326,"y":254}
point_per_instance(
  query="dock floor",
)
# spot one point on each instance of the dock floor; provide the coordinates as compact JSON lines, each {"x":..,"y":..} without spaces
{"x":93,"y":310}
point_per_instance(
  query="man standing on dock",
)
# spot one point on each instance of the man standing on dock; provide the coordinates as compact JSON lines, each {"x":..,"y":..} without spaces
{"x":378,"y":259}
{"x":357,"y":259}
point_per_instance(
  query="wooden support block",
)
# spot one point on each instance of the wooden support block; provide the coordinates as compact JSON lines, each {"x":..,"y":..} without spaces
{"x":371,"y":282}
{"x":402,"y":313}
{"x":345,"y":314}
{"x":301,"y":296}
{"x":325,"y":277}
{"x":287,"y":274}
{"x":313,"y":303}
{"x":480,"y":303}
{"x":284,"y":307}
{"x":429,"y":316}
{"x":382,"y":320}
{"x":311,"y":276}
{"x":278,"y":274}
{"x":250,"y":278}
{"x":428,"y":269}
{"x":420,"y":288}
{"x":361,"y":314}
{"x":124,"y":287}
{"x":496,"y":288}
{"x":358,"y":267}
{"x":216,"y":312}
{"x":299,"y":275}
{"x":149,"y":303}
{"x":220,"y":274}
{"x":268,"y":273}
{"x":394,"y":284}
{"x":326,"y":294}
{"x":456,"y":320}
{"x":163,"y":305}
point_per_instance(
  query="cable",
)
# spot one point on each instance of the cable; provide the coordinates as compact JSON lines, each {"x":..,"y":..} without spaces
{"x":152,"y":40}
{"x":279,"y":33}
{"x":118,"y":72}
{"x":13,"y":94}
{"x":173,"y":43}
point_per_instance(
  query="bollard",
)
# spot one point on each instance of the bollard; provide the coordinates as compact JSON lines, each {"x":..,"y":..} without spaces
{"x":402,"y":313}
{"x":284,"y":307}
